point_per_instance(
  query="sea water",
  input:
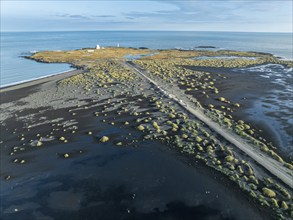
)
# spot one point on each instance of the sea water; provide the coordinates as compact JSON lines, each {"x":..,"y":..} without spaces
{"x":15,"y":45}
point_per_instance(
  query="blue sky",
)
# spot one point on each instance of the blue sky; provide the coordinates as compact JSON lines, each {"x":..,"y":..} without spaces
{"x":189,"y":15}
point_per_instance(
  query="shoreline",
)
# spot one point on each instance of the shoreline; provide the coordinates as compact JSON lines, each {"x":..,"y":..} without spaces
{"x":39,"y":80}
{"x":72,"y":111}
{"x":38,"y":158}
{"x":34,"y":81}
{"x":270,"y":165}
{"x":196,"y":48}
{"x":250,"y":100}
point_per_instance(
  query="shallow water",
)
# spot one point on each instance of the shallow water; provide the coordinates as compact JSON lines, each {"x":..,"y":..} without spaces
{"x":135,"y":57}
{"x":265,"y":95}
{"x":275,"y":106}
{"x":222,"y":57}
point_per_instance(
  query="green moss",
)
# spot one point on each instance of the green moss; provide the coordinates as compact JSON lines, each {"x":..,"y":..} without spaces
{"x":172,"y":115}
{"x":141,"y":127}
{"x":276,"y":157}
{"x":104,"y":139}
{"x":264,"y":148}
{"x":268,"y":180}
{"x":252,"y":186}
{"x":147,"y":137}
{"x":268,"y":192}
{"x":65,"y":155}
{"x":174,"y":127}
{"x":199,"y":147}
{"x":252,"y":194}
{"x":274,"y":203}
{"x":228,"y":122}
{"x":184,"y":136}
{"x":39,"y":144}
{"x":156,"y":126}
{"x":240,"y":122}
{"x":198,"y":139}
{"x":222,"y":99}
{"x":284,"y":205}
{"x":239,"y":127}
{"x":285,"y":193}
{"x":289,"y":166}
{"x":240,"y":169}
{"x":229,"y":158}
{"x":232,"y":167}
{"x":246,"y":126}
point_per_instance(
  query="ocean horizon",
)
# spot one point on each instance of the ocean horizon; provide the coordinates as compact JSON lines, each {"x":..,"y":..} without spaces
{"x":15,"y":45}
{"x":31,"y":31}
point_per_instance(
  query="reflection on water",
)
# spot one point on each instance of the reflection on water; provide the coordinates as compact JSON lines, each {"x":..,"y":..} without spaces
{"x":265,"y":95}
{"x":138,"y":56}
{"x":275,"y":106}
{"x":222,"y":57}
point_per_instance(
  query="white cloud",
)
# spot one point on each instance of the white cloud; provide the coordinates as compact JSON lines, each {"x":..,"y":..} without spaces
{"x":270,"y":15}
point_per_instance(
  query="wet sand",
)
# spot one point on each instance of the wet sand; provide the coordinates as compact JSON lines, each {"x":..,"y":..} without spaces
{"x":139,"y":180}
{"x":260,"y":102}
{"x":23,"y":89}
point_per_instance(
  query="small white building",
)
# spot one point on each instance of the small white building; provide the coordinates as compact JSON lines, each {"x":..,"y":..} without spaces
{"x":98,"y":47}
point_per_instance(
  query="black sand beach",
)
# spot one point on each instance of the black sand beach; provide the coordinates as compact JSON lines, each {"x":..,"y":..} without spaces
{"x":108,"y":143}
{"x":102,"y":181}
{"x":255,"y":93}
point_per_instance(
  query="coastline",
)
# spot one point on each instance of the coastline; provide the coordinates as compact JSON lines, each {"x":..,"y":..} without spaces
{"x":250,"y":88}
{"x":83,"y":110}
{"x":272,"y":166}
{"x":40,"y":80}
{"x":204,"y":178}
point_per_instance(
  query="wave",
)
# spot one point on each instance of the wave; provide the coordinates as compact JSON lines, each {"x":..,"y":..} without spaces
{"x":33,"y":79}
{"x":268,"y":68}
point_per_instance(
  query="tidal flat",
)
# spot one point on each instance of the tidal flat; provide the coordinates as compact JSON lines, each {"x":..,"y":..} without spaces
{"x":105,"y":142}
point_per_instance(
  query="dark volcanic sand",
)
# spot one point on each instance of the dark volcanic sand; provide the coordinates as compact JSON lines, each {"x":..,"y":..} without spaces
{"x":265,"y":95}
{"x":144,"y":180}
{"x":107,"y":182}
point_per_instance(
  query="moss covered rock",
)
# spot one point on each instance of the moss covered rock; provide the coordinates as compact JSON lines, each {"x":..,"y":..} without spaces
{"x":141,"y":127}
{"x":104,"y":139}
{"x":229,"y":158}
{"x":268,"y":192}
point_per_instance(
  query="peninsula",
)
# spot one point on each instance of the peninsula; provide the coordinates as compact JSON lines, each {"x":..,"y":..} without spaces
{"x":126,"y":97}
